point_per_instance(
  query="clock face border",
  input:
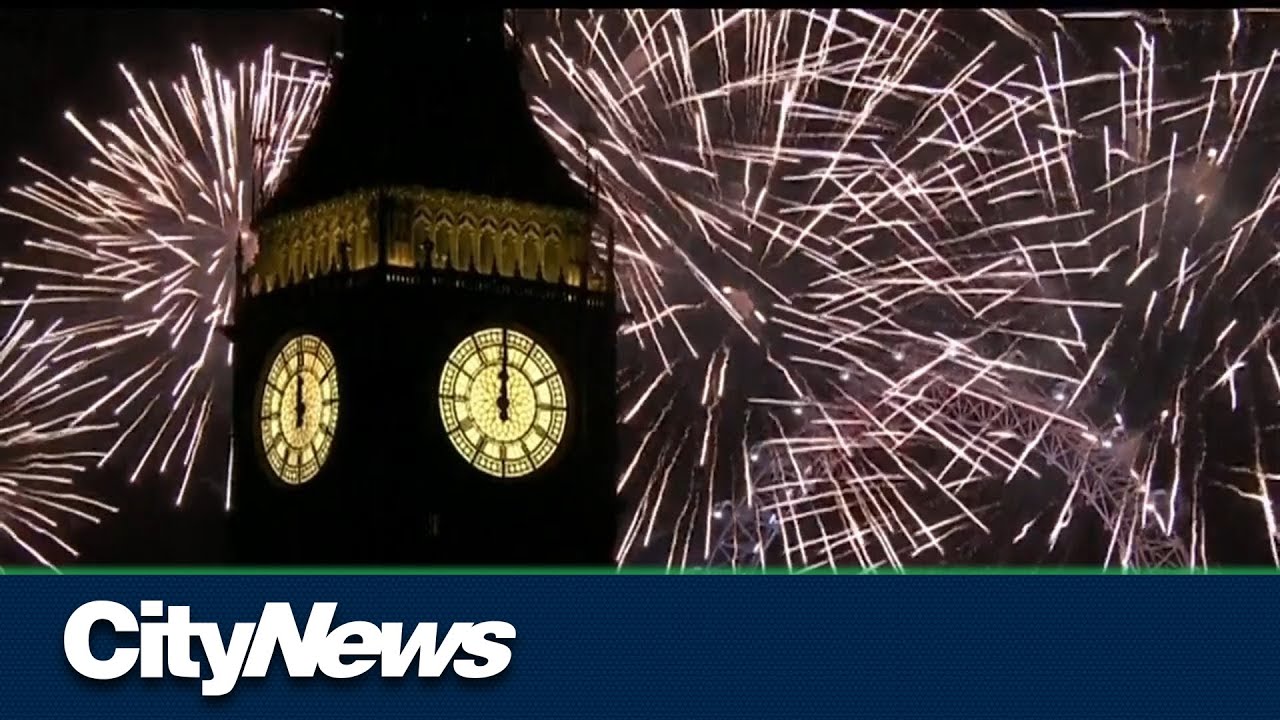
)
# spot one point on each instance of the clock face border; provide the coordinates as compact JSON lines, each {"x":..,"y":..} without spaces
{"x":570,"y":410}
{"x":259,"y":394}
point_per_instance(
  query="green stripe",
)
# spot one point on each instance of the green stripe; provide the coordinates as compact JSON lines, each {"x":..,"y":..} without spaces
{"x":596,"y":571}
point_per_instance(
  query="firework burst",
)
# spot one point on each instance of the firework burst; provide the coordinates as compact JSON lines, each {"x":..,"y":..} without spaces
{"x":140,"y":254}
{"x":42,"y":446}
{"x":1136,"y":402}
{"x":1152,"y":162}
{"x":803,"y":264}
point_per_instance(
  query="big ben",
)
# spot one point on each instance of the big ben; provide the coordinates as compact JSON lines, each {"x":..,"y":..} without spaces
{"x":424,"y":363}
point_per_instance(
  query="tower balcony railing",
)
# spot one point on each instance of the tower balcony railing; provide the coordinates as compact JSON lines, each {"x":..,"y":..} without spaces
{"x":490,"y":284}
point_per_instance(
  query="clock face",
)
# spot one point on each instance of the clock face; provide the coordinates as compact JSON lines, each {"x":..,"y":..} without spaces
{"x":298,"y":409}
{"x":503,"y":402}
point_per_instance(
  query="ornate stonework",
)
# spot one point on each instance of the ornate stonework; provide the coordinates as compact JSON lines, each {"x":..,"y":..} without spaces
{"x":425,"y":230}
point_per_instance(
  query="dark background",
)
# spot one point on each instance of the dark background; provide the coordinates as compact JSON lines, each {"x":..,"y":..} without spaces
{"x":58,"y":60}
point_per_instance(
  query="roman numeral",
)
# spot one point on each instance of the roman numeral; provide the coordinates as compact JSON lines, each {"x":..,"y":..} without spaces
{"x":460,"y":369}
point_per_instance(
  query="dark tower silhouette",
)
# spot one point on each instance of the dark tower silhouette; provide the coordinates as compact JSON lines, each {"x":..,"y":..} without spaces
{"x":424,"y":363}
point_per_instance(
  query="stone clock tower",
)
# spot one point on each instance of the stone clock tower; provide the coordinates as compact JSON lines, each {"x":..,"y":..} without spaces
{"x":424,"y":366}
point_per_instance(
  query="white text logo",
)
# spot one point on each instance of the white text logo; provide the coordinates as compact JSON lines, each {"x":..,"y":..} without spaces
{"x":347,"y":651}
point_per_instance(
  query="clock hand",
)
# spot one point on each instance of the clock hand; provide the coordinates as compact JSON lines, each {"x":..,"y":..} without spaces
{"x":504,"y":402}
{"x":299,"y":407}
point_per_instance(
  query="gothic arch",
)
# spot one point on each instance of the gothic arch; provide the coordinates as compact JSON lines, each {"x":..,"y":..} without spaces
{"x":512,"y":252}
{"x":465,"y":233}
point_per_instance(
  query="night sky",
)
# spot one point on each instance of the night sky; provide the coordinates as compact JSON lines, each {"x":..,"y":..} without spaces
{"x":61,"y":60}
{"x":57,"y":60}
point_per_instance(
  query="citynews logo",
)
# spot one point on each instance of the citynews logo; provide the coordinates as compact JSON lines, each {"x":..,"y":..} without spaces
{"x":347,"y":651}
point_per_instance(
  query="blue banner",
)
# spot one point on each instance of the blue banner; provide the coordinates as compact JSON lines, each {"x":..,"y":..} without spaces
{"x":641,"y":646}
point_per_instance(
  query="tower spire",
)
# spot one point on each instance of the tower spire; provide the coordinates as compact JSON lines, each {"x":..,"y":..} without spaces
{"x":400,"y":113}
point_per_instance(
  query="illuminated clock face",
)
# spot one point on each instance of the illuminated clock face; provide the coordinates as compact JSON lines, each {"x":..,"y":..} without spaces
{"x":298,"y":409}
{"x":503,"y":402}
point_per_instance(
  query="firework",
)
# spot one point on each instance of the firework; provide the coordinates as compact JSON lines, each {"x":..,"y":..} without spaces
{"x":803,"y":264}
{"x":1138,"y":403}
{"x":1135,"y":413}
{"x":140,"y":253}
{"x":1156,"y":161}
{"x":42,"y":446}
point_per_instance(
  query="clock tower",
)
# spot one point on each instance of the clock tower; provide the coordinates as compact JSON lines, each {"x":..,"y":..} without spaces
{"x":424,"y":368}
